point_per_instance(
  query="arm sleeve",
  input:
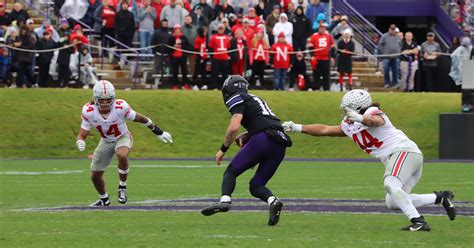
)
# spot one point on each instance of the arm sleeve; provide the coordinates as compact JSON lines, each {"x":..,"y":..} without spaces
{"x":86,"y":125}
{"x":373,"y":111}
{"x":128,"y":112}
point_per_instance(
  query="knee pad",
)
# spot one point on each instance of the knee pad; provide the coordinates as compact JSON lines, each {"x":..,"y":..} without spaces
{"x":392,"y":184}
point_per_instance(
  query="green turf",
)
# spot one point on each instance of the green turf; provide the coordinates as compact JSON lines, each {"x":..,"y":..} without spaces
{"x":44,"y":122}
{"x":235,"y":229}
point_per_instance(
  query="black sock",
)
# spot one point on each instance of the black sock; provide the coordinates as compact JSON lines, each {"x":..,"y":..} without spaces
{"x":261,"y":192}
{"x":122,"y":187}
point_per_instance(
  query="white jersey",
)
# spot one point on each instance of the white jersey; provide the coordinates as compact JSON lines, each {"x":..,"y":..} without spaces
{"x":380,"y":142}
{"x":111,"y":127}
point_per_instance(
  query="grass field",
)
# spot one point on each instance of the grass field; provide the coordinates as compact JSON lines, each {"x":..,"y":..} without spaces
{"x":53,"y":183}
{"x":43,"y":123}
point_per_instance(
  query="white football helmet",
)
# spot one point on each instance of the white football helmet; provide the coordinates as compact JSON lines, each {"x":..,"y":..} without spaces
{"x":103,"y":90}
{"x":356,"y":100}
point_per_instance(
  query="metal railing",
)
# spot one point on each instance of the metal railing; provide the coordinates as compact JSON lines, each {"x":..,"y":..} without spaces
{"x":135,"y":64}
{"x":364,"y":31}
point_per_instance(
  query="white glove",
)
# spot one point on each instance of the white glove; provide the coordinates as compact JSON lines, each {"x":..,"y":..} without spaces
{"x":353,"y":115}
{"x":81,"y":145}
{"x":165,"y":137}
{"x":290,"y":126}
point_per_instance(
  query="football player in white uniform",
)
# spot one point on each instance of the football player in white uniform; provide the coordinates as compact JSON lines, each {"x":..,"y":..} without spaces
{"x":108,"y":115}
{"x":372,"y":131}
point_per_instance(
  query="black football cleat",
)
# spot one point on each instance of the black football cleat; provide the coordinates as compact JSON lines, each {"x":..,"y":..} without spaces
{"x":446,"y":198}
{"x":100,"y":203}
{"x":122,"y":195}
{"x":275,"y":210}
{"x":216,"y":208}
{"x":418,"y":224}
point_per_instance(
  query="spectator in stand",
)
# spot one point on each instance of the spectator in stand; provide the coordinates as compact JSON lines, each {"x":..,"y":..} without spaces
{"x":57,"y":4}
{"x":345,"y":48}
{"x":160,"y":36}
{"x":25,"y":40}
{"x":4,"y":65}
{"x":319,"y":20}
{"x":302,"y":3}
{"x":206,"y":9}
{"x":124,"y":32}
{"x":74,"y":9}
{"x":106,"y":14}
{"x":158,"y":5}
{"x":89,"y":16}
{"x":45,"y":26}
{"x":178,"y":58}
{"x":199,"y":19}
{"x":227,"y":29}
{"x":64,"y":59}
{"x":46,"y":42}
{"x":247,"y":30}
{"x":341,"y":28}
{"x":219,"y":44}
{"x":190,"y":33}
{"x":146,"y":18}
{"x":390,"y":44}
{"x":298,"y":71}
{"x":291,"y":11}
{"x":262,"y":10}
{"x":5,"y":19}
{"x":284,"y":26}
{"x":461,"y":54}
{"x":12,"y":36}
{"x":78,"y":38}
{"x":64,"y":28}
{"x":18,"y":14}
{"x":281,"y":61}
{"x":200,"y":45}
{"x":270,"y":22}
{"x":224,"y":7}
{"x":83,"y":65}
{"x":336,"y":18}
{"x":238,"y":58}
{"x":408,"y":63}
{"x":173,"y":14}
{"x":314,"y":9}
{"x":455,"y":43}
{"x":259,"y":57}
{"x":232,"y":20}
{"x":215,"y":23}
{"x":301,"y":29}
{"x":322,"y":42}
{"x":254,"y":20}
{"x":429,"y":51}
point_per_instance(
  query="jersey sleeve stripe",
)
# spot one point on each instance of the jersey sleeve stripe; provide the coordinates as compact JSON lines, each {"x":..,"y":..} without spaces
{"x":84,"y":117}
{"x":232,"y":98}
{"x":239,"y":102}
{"x":233,"y":101}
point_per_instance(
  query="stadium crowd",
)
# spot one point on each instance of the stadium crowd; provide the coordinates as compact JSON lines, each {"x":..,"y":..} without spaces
{"x":237,"y":37}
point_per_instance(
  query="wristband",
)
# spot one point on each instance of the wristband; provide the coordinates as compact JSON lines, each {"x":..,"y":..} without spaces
{"x":156,"y":130}
{"x":149,"y":123}
{"x":224,"y":148}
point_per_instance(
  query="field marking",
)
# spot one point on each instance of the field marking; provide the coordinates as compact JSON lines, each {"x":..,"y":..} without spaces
{"x":39,"y":172}
{"x":185,"y":166}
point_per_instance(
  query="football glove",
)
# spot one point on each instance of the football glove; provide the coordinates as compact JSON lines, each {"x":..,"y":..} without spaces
{"x":290,"y":126}
{"x":165,"y":137}
{"x":81,"y":145}
{"x":353,"y":115}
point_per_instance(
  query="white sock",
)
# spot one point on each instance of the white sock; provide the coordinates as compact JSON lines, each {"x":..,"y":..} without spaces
{"x":225,"y":198}
{"x":104,"y":195}
{"x":123,"y":183}
{"x":270,"y":200}
{"x":423,"y":199}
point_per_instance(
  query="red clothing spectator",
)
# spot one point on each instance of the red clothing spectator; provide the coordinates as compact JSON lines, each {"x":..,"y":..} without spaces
{"x":253,"y":19}
{"x":78,"y":38}
{"x":281,"y":56}
{"x":158,"y":7}
{"x":200,"y":46}
{"x":108,"y":16}
{"x":321,"y":41}
{"x":259,"y":51}
{"x":238,"y":58}
{"x":220,"y":43}
{"x":114,"y":3}
{"x":258,"y":57}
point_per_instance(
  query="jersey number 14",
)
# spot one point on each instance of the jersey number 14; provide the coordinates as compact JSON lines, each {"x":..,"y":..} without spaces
{"x":113,"y":130}
{"x":368,"y":141}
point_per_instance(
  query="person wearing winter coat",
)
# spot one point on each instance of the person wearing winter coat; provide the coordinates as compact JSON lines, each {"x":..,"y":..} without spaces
{"x":461,"y":54}
{"x":178,"y":58}
{"x":26,"y":40}
{"x":63,"y":61}
{"x":78,"y":38}
{"x":158,"y":39}
{"x":44,"y":60}
{"x":124,"y":32}
{"x":83,"y":63}
{"x":200,"y":46}
{"x":239,"y":57}
{"x":301,"y":29}
{"x":284,"y":26}
{"x":47,"y":25}
{"x":281,"y":61}
{"x":298,"y":71}
{"x":345,"y":48}
{"x":146,"y":19}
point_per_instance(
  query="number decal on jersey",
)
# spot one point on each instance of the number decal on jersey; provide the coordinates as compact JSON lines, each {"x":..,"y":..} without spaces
{"x":264,"y":106}
{"x":118,"y":103}
{"x":368,"y":141}
{"x":90,"y":109}
{"x":322,"y":42}
{"x":113,"y":130}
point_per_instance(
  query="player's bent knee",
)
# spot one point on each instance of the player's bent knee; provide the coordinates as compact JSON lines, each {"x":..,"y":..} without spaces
{"x":254,"y":189}
{"x":229,"y":171}
{"x":390,"y":203}
{"x":391,"y":184}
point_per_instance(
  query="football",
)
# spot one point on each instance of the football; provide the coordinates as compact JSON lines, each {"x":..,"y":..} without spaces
{"x":242,"y":139}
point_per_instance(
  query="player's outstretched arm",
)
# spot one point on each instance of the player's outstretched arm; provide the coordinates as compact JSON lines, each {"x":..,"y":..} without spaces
{"x":81,"y":139}
{"x":313,"y":129}
{"x":162,"y":135}
{"x":230,"y":135}
{"x":370,"y":120}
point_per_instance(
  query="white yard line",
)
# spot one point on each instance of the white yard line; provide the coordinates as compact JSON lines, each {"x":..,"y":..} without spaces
{"x":184,"y":166}
{"x":39,"y":172}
